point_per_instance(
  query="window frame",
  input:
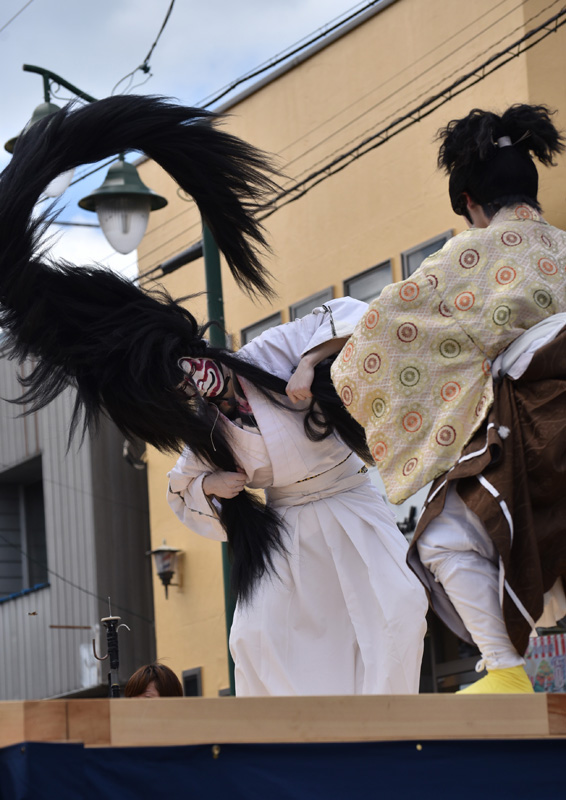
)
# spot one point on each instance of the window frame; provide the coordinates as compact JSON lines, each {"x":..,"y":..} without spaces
{"x":31,"y":545}
{"x":446,"y":235}
{"x":244,"y":331}
{"x":381,"y":265}
{"x":192,"y":674}
{"x":311,"y":297}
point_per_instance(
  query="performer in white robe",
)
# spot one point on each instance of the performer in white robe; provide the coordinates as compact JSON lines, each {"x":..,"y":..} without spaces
{"x":343,"y":614}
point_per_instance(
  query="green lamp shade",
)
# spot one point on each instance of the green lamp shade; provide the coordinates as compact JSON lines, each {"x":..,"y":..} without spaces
{"x":59,"y":184}
{"x":42,"y":110}
{"x":123,"y":204}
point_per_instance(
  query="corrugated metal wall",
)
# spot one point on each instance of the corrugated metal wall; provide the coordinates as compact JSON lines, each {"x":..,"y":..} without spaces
{"x":46,"y":635}
{"x":121,"y":517}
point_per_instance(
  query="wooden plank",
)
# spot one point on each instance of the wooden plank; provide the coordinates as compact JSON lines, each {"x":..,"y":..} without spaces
{"x":89,"y":721}
{"x":172,"y":721}
{"x":11,"y":723}
{"x":45,"y":721}
{"x":557,"y":714}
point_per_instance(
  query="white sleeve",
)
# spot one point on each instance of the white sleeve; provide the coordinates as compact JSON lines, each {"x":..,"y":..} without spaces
{"x":188,"y":501}
{"x":338,"y":319}
{"x":279,"y":350}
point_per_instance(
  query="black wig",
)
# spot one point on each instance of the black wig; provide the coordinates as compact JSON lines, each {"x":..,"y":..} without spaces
{"x":490,"y":156}
{"x":118,"y":346}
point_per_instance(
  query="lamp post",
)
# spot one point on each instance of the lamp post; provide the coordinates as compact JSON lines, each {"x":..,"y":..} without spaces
{"x":215,"y":311}
{"x":61,"y":183}
{"x":123,"y":202}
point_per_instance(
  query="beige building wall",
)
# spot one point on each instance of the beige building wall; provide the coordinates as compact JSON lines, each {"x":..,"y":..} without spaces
{"x":389,"y":200}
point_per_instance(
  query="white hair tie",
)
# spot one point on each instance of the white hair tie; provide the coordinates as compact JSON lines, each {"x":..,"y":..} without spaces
{"x":504,"y":141}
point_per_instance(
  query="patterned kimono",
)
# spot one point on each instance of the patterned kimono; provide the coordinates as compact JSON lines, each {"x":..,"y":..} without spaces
{"x":416,"y":372}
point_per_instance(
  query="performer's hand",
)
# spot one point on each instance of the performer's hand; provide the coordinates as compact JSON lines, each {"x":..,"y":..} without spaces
{"x":299,"y":386}
{"x":224,"y":484}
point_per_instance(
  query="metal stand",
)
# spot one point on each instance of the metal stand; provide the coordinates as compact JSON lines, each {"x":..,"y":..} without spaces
{"x":112,"y":628}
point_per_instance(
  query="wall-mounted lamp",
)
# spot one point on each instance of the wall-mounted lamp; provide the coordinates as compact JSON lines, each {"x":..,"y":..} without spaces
{"x":165,"y":560}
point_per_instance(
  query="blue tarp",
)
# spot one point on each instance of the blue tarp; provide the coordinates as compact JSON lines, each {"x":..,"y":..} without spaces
{"x":446,"y":770}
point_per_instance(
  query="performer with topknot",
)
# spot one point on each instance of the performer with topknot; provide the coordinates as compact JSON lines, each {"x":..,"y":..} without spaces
{"x":326,"y":602}
{"x":458,"y":374}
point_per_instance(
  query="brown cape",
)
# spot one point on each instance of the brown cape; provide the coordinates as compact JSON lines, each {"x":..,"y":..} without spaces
{"x":527,"y":468}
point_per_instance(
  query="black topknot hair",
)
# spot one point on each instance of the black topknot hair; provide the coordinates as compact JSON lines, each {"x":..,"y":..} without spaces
{"x":469,"y":152}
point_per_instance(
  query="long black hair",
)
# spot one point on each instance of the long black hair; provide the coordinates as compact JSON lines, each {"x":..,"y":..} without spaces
{"x":492,"y":171}
{"x":118,"y":346}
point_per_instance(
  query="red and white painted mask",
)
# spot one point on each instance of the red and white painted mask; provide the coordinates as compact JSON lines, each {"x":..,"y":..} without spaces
{"x":205,"y":374}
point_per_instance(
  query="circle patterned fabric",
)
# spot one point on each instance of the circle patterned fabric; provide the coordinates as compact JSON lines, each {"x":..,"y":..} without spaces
{"x":417,"y":371}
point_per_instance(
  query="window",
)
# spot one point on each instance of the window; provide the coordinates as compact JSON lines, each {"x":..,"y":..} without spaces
{"x":23,"y":554}
{"x":254,"y":330}
{"x":192,"y":682}
{"x":413,"y":258}
{"x":304,"y":307}
{"x":368,"y":285}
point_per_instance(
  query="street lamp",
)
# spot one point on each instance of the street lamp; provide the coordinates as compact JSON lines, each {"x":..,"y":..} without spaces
{"x":59,"y":184}
{"x":123,"y":202}
{"x":119,"y":222}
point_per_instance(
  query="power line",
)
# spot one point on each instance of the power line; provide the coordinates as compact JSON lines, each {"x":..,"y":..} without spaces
{"x":294,"y":182}
{"x":155,"y":268}
{"x":144,"y":66}
{"x":286,"y":55}
{"x":368,"y":144}
{"x":237,"y":82}
{"x":396,"y":75}
{"x":408,"y":83}
{"x":171,"y":253}
{"x":268,"y":64}
{"x":248,"y":76}
{"x":310,"y":41}
{"x":43,"y":564}
{"x":149,"y":275}
{"x":17,"y":14}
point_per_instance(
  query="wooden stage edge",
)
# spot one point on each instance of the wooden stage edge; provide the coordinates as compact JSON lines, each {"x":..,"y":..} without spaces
{"x":229,"y":720}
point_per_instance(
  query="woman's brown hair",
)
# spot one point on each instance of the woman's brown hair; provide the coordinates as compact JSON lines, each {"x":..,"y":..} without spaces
{"x":165,"y":680}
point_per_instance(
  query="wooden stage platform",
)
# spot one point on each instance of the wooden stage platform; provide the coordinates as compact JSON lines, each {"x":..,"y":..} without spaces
{"x":228,"y":720}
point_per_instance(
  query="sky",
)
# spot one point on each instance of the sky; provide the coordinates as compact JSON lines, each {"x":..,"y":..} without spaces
{"x":204,"y":46}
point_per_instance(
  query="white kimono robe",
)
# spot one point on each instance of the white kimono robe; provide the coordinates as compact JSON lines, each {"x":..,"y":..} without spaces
{"x":343,"y":614}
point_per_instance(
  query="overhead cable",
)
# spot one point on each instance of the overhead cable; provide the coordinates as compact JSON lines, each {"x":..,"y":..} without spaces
{"x":17,"y":14}
{"x":72,"y":583}
{"x":285,"y":55}
{"x":522,"y":45}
